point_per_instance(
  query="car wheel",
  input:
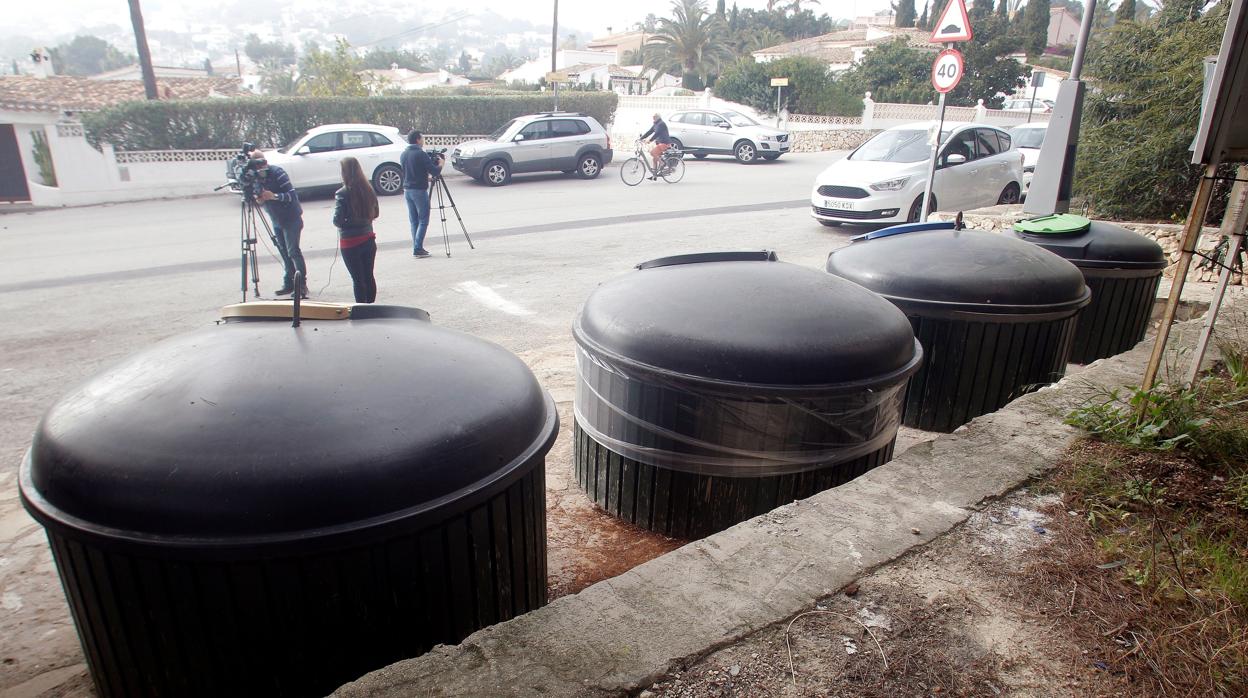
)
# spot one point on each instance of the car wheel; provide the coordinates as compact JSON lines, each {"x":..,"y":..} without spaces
{"x":677,"y":144}
{"x":589,"y":167}
{"x":913,"y":216}
{"x":745,"y":152}
{"x":771,"y":156}
{"x":496,"y":173}
{"x":388,"y":180}
{"x":1009,"y":195}
{"x":700,"y":156}
{"x":831,"y":224}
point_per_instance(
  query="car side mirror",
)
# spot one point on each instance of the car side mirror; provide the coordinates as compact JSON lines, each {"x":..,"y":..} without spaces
{"x":954,"y":159}
{"x":725,"y":126}
{"x":519,"y":137}
{"x":303,"y":150}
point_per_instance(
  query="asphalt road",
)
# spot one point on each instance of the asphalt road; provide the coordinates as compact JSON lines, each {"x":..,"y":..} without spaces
{"x":81,"y":288}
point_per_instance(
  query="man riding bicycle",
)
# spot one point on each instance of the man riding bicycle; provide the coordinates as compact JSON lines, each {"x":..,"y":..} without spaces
{"x":662,"y":140}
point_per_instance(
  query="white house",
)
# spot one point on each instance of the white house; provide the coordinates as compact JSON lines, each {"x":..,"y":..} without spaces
{"x":44,"y":158}
{"x":410,"y":80}
{"x":842,"y":49}
{"x":535,"y":70}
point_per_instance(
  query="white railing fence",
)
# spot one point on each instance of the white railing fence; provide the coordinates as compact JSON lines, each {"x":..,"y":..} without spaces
{"x":881,"y":115}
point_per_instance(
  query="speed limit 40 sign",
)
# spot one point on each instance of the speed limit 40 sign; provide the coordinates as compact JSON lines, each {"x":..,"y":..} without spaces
{"x":947,"y":70}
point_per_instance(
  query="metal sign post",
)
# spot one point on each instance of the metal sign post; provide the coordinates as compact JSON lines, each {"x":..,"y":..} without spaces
{"x":1233,"y":228}
{"x":947,"y":72}
{"x":779,"y":84}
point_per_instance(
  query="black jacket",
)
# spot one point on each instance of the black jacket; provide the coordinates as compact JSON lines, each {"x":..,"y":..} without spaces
{"x":659,"y":129}
{"x":350,"y":223}
{"x":417,"y":166}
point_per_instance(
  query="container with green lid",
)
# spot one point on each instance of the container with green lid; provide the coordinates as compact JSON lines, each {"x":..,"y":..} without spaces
{"x":1121,"y":268}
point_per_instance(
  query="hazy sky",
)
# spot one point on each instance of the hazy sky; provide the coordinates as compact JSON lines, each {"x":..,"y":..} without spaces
{"x":588,"y":15}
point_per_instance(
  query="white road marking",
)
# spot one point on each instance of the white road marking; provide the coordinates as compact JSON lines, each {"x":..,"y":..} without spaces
{"x":489,"y":298}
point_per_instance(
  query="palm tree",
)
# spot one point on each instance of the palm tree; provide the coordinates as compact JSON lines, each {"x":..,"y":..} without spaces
{"x":691,"y":43}
{"x":764,"y":38}
{"x":796,"y":5}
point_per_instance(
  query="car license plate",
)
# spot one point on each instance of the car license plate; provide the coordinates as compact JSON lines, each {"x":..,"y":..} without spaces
{"x":842,"y":205}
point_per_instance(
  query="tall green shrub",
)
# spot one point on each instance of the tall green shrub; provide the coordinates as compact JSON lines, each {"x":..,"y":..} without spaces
{"x":1137,"y":125}
{"x":269,"y":122}
{"x":43,"y":158}
{"x":811,"y":90}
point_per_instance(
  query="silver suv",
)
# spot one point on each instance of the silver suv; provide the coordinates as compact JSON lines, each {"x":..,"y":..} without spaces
{"x":552,"y":142}
{"x":702,"y":132}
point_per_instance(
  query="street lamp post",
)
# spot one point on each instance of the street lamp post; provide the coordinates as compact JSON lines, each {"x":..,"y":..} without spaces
{"x":554,"y":50}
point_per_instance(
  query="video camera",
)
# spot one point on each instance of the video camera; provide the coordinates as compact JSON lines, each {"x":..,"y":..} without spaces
{"x":244,"y":170}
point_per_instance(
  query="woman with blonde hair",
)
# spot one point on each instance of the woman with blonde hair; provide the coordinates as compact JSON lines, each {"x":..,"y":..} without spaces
{"x":355,"y":209}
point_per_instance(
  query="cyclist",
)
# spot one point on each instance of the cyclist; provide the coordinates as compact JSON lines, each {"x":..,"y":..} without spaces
{"x":662,"y":141}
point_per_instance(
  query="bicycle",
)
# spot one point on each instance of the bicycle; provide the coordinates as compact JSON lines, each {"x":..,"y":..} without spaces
{"x":671,"y":169}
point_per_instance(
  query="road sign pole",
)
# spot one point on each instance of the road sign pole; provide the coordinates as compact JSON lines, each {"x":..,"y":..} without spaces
{"x":931,"y":169}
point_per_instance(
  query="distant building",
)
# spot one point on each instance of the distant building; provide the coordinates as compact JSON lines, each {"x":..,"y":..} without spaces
{"x":842,"y":49}
{"x":1063,"y":27}
{"x":410,"y":80}
{"x":535,"y":70}
{"x":134,"y":72}
{"x":620,"y":43}
{"x":883,"y":18}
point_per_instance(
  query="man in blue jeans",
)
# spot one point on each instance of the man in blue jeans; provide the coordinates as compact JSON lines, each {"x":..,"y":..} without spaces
{"x":281,"y":201}
{"x":417,"y":169}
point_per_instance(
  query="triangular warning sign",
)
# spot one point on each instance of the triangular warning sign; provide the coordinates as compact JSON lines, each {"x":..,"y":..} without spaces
{"x":954,"y":24}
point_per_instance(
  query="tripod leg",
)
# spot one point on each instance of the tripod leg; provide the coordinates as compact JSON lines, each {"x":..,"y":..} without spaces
{"x":446,"y":241}
{"x":455,"y":208}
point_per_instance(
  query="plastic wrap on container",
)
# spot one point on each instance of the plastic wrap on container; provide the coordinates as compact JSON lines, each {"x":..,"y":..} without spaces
{"x":689,"y":424}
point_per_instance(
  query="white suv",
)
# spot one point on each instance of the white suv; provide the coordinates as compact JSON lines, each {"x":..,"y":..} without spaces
{"x":882,"y":181}
{"x":314,"y":158}
{"x":702,"y":132}
{"x":551,"y":142}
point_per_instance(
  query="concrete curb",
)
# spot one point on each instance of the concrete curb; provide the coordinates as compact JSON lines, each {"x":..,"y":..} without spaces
{"x":622,"y":634}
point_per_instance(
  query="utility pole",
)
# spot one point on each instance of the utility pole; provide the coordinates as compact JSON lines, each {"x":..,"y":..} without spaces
{"x":145,"y":56}
{"x":554,"y":50}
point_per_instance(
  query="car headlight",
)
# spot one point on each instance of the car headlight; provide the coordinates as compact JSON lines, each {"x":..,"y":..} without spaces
{"x":891,"y":184}
{"x":766,"y":138}
{"x":1029,"y":168}
{"x":467,"y":152}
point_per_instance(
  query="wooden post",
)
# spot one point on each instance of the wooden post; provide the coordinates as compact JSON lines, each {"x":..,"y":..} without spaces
{"x":145,"y":56}
{"x":1191,"y":236}
{"x":1233,"y":228}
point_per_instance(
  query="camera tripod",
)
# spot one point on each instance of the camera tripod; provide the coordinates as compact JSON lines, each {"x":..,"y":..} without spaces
{"x":437,"y":187}
{"x":250,"y":213}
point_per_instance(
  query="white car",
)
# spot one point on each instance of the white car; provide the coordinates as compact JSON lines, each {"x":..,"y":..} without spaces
{"x":314,"y":158}
{"x":1039,"y":106}
{"x":702,"y":132}
{"x":1027,"y":140}
{"x":882,"y":181}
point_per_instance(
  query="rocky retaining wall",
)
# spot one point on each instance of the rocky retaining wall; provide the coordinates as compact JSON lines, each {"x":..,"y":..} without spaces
{"x":833,"y":139}
{"x":1002,"y":218}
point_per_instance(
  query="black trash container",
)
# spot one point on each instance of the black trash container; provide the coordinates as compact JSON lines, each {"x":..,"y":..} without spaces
{"x":995,"y":315}
{"x":1122,"y":269}
{"x":713,"y":388}
{"x":254,"y":509}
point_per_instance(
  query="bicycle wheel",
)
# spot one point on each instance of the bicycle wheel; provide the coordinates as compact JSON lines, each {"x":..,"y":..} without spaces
{"x":633,"y":171}
{"x":674,"y":172}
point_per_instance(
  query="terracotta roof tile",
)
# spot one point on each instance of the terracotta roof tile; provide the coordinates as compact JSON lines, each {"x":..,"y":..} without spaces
{"x":63,"y":92}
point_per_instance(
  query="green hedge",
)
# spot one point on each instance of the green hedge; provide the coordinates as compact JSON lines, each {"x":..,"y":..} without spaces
{"x":275,"y":121}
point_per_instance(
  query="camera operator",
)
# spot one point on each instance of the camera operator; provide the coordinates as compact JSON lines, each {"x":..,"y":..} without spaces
{"x":418,"y":169}
{"x":281,"y":201}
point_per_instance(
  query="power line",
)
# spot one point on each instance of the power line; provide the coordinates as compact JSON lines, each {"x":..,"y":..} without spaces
{"x":457,"y":17}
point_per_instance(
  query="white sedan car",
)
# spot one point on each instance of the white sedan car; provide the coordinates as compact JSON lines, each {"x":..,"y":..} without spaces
{"x":314,"y":159}
{"x":1027,"y":140}
{"x":882,"y":181}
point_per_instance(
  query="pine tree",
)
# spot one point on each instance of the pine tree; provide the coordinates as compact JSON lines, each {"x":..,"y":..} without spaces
{"x":1126,"y":11}
{"x":1035,"y":27}
{"x":923,"y":21}
{"x":1003,"y":9}
{"x":719,"y":8}
{"x":905,"y":13}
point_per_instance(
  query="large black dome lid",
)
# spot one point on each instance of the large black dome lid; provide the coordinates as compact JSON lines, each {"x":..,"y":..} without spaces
{"x":969,"y":270}
{"x":1092,"y":244}
{"x":255,"y":431}
{"x":746,"y":321}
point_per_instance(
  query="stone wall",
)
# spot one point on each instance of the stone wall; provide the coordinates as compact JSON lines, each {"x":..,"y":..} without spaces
{"x":1001,"y":218}
{"x":832,"y":139}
